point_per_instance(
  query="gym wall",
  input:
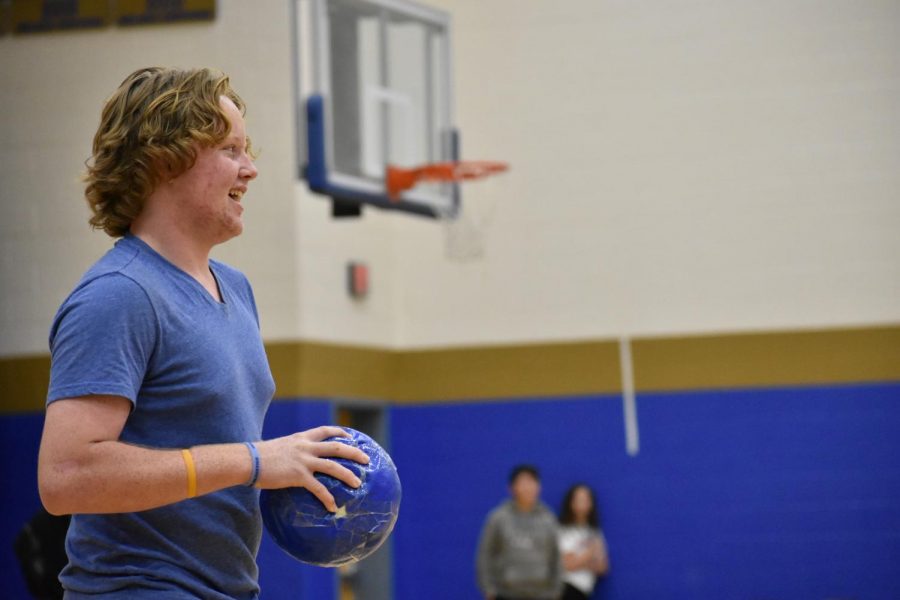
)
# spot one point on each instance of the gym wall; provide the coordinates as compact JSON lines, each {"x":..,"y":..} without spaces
{"x":715,"y":181}
{"x":688,"y":166}
{"x":677,"y":169}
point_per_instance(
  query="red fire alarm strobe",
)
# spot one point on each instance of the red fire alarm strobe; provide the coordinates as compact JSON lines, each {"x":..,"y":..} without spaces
{"x":357,"y":280}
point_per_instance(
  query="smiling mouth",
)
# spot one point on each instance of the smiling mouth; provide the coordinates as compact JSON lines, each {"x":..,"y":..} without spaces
{"x":236,"y":195}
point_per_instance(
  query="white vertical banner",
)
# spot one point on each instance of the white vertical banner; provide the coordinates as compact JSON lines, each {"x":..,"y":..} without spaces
{"x":629,"y":403}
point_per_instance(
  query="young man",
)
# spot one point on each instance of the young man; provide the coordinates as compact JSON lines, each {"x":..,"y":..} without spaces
{"x":159,"y":380}
{"x":518,"y":555}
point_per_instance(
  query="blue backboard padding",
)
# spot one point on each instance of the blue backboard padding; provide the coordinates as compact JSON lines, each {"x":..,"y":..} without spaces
{"x":791,"y":494}
{"x":317,"y":165}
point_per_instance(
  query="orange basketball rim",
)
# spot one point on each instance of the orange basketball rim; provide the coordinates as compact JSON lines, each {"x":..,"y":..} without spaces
{"x":398,"y":179}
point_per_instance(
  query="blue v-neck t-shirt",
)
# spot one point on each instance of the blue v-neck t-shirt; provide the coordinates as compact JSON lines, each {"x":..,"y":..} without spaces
{"x":195,"y":372}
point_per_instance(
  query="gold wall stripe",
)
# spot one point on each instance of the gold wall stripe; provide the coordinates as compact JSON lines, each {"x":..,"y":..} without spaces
{"x":767,"y":359}
{"x":314,"y":369}
{"x":507,"y":371}
{"x":324,"y":370}
{"x":23,"y":383}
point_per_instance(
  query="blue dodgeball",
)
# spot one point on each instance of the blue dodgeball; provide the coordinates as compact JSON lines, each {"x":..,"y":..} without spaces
{"x":302,"y":527}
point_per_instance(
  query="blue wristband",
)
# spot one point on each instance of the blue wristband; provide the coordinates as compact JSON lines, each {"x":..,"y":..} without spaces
{"x":254,"y":454}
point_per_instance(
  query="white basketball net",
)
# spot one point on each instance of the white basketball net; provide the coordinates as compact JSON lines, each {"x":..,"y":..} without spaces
{"x":465,"y":230}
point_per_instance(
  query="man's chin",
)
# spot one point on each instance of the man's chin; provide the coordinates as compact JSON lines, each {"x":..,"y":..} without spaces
{"x":232,"y":231}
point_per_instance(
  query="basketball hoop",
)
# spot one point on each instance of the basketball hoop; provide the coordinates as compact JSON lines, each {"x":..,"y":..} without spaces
{"x":464,"y":230}
{"x":397,"y":180}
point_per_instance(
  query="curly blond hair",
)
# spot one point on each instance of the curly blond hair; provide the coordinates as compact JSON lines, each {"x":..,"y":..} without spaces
{"x":150,"y":128}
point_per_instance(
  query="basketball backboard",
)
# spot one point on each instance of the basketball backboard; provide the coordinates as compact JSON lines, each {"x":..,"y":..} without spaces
{"x":374,"y":89}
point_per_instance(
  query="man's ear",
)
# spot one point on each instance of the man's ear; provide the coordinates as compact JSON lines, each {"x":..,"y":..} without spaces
{"x":170,"y":165}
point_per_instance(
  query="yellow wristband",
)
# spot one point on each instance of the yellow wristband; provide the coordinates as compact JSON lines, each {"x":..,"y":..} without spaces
{"x":191,"y":473}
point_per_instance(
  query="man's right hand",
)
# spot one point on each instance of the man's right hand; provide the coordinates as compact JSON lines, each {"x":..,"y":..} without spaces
{"x":292,"y":461}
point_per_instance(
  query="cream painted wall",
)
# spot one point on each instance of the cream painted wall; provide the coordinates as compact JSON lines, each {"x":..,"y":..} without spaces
{"x":680,"y":166}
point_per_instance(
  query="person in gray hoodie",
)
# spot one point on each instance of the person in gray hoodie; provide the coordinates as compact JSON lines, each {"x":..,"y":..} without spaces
{"x":518,"y":554}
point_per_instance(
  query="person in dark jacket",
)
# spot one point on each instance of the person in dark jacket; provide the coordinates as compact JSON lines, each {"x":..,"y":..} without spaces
{"x":518,"y":555}
{"x":41,"y":549}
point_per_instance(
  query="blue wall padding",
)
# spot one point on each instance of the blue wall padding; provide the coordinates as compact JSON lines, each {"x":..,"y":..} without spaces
{"x":789,"y":494}
{"x":454,"y":461}
{"x":280,"y":576}
{"x":20,"y":438}
{"x":764,"y":494}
